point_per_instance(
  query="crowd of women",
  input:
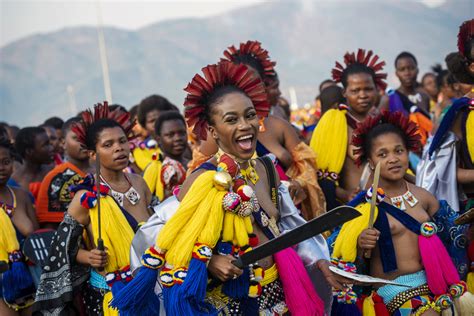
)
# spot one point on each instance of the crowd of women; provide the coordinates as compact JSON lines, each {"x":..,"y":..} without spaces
{"x":144,"y":211}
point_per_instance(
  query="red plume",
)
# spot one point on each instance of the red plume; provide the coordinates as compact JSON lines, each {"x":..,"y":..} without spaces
{"x":466,"y":31}
{"x":255,"y":50}
{"x":101,"y":111}
{"x":370,"y":60}
{"x":223,"y":74}
{"x":409,"y":129}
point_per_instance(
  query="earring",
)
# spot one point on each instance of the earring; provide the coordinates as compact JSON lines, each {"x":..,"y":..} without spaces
{"x":261,"y":125}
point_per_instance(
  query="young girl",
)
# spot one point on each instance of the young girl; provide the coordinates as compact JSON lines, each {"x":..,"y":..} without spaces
{"x":403,"y":245}
{"x":17,"y":221}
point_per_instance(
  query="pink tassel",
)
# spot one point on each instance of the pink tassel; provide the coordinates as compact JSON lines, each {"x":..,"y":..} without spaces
{"x":300,"y":296}
{"x":439,"y":268}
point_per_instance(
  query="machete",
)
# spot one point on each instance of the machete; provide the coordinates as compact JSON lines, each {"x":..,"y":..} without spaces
{"x":329,"y":220}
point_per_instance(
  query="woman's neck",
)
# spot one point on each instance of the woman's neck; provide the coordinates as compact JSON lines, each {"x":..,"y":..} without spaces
{"x":393,"y":188}
{"x":83,"y":165}
{"x":31,"y":167}
{"x":112,"y":176}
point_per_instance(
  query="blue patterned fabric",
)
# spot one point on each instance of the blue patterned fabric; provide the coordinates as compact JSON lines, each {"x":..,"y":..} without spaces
{"x":454,"y":237}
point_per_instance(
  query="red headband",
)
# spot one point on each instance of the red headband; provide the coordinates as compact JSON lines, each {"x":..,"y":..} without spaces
{"x":409,"y":128}
{"x":101,"y":111}
{"x":216,"y":76}
{"x":466,"y":31}
{"x":254,"y":49}
{"x":363,"y":59}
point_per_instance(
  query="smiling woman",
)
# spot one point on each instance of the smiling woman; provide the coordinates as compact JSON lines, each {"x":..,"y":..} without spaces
{"x":228,"y":205}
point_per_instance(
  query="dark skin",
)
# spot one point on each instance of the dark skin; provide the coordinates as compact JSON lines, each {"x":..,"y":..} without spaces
{"x":76,"y":154}
{"x":24,"y":218}
{"x":429,"y":85}
{"x":37,"y":162}
{"x":113,"y":148}
{"x":361,"y":95}
{"x":407,"y":72}
{"x":233,"y":118}
{"x":392,"y":154}
{"x":173,"y":140}
{"x":53,"y":138}
{"x":151,"y":118}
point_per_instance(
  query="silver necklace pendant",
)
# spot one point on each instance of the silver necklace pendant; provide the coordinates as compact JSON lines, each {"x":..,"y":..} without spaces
{"x":132,"y":196}
{"x":117,"y":196}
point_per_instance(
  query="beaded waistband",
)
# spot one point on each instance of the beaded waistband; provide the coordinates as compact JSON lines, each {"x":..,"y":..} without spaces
{"x":402,"y":297}
{"x":413,"y":280}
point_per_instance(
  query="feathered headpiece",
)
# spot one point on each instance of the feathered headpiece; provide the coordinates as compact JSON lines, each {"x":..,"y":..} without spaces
{"x":255,"y":50}
{"x":409,"y":128}
{"x":363,"y":59}
{"x":466,"y":31}
{"x":223,"y":74}
{"x":101,"y":111}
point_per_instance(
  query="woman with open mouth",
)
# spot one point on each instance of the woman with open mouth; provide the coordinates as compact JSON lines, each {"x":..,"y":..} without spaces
{"x":228,"y":205}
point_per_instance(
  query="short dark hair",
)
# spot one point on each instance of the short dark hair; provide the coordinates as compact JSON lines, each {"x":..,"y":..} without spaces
{"x":114,"y":107}
{"x":6,"y":143}
{"x":405,"y":55}
{"x":329,"y":96}
{"x":323,"y":83}
{"x":95,"y":128}
{"x":4,"y":132}
{"x":167,"y":116}
{"x":26,"y":139}
{"x":54,"y":122}
{"x":357,"y":68}
{"x":378,"y":130}
{"x":151,"y":103}
{"x":69,"y":123}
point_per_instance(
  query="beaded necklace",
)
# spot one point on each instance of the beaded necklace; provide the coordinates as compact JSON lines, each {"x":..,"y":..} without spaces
{"x":8,"y":208}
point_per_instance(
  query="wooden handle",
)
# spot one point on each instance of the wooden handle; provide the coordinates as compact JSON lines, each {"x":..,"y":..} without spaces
{"x":100,"y":246}
{"x":367,"y":254}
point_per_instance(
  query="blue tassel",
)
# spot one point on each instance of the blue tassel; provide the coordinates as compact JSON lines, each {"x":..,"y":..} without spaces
{"x":348,"y":310}
{"x":238,"y":288}
{"x":175,"y":303}
{"x":193,"y":290}
{"x":16,"y":279}
{"x":117,"y":287}
{"x":249,"y":307}
{"x":138,"y":296}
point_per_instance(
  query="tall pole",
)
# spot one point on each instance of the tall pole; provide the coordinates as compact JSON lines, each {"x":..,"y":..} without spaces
{"x":103,"y":54}
{"x":72,"y":100}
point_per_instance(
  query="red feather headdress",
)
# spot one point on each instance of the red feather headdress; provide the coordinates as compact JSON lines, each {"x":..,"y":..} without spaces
{"x":223,"y":74}
{"x":254,"y":49}
{"x":466,"y":31}
{"x":101,"y":111}
{"x":366,"y":60}
{"x":409,"y":128}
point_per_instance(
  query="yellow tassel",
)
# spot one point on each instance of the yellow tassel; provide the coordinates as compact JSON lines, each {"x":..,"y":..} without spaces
{"x":8,"y":240}
{"x":228,"y":229}
{"x":212,"y":230}
{"x":144,"y":156}
{"x":470,"y":134}
{"x":116,"y":233}
{"x":330,"y":147}
{"x":248,"y":225}
{"x":345,"y":246}
{"x":240,"y":232}
{"x":368,"y":308}
{"x":470,"y":282}
{"x":108,"y":311}
{"x":152,"y":177}
{"x":188,"y":206}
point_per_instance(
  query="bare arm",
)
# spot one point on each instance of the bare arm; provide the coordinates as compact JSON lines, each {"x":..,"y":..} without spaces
{"x":290,"y":137}
{"x":77,"y":211}
{"x":465,"y":176}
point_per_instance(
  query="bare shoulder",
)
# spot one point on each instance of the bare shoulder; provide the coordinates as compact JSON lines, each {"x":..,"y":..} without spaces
{"x":21,"y":194}
{"x":262,"y":173}
{"x":274,"y":121}
{"x":137,"y":180}
{"x":429,"y":201}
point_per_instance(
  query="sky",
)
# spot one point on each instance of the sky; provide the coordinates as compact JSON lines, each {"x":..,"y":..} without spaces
{"x":20,"y":18}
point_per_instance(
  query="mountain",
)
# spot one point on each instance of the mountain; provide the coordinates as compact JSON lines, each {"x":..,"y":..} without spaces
{"x":305,"y":38}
